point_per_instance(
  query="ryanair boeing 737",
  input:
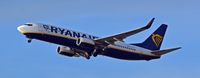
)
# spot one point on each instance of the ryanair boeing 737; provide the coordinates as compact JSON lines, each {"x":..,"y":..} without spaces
{"x":76,"y":44}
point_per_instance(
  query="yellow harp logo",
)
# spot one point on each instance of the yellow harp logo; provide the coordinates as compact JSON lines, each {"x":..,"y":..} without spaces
{"x":157,"y":39}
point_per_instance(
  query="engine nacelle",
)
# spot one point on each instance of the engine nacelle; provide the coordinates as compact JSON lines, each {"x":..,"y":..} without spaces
{"x":84,"y":41}
{"x":85,"y":44}
{"x":67,"y":51}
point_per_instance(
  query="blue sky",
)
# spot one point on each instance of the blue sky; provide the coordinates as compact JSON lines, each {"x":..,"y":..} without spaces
{"x":18,"y":59}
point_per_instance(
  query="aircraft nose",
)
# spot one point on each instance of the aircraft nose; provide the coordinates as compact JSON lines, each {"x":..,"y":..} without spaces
{"x":21,"y":29}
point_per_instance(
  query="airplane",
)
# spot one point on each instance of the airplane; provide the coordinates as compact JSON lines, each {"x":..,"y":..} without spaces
{"x":76,"y":44}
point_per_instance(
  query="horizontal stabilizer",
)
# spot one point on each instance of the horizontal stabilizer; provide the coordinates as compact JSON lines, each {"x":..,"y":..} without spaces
{"x":161,"y":52}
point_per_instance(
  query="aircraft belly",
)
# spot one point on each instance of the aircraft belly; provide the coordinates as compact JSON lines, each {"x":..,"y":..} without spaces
{"x":126,"y":55}
{"x":61,"y":41}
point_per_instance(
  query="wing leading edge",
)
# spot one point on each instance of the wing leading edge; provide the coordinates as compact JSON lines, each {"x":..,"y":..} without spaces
{"x":121,"y":36}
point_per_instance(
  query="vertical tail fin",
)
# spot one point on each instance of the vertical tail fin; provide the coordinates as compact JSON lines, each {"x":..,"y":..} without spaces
{"x":154,"y":41}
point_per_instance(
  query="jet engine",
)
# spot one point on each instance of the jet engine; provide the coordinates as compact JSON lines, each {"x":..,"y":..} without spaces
{"x":67,"y":51}
{"x":72,"y":52}
{"x":81,"y":41}
{"x":86,"y":44}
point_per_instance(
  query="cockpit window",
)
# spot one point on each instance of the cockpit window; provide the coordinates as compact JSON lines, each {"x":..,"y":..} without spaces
{"x":29,"y":24}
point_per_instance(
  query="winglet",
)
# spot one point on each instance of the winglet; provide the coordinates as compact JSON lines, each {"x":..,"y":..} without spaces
{"x":150,"y":23}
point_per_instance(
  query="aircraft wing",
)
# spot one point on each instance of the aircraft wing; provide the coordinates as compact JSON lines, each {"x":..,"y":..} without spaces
{"x":161,"y":52}
{"x":121,"y":36}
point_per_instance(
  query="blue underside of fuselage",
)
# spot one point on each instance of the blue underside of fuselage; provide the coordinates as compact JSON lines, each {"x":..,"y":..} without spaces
{"x":87,"y":47}
{"x":127,"y":55}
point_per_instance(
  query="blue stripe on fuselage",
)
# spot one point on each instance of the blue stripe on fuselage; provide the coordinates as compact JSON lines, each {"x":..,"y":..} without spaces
{"x":127,"y":55}
{"x":61,"y":41}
